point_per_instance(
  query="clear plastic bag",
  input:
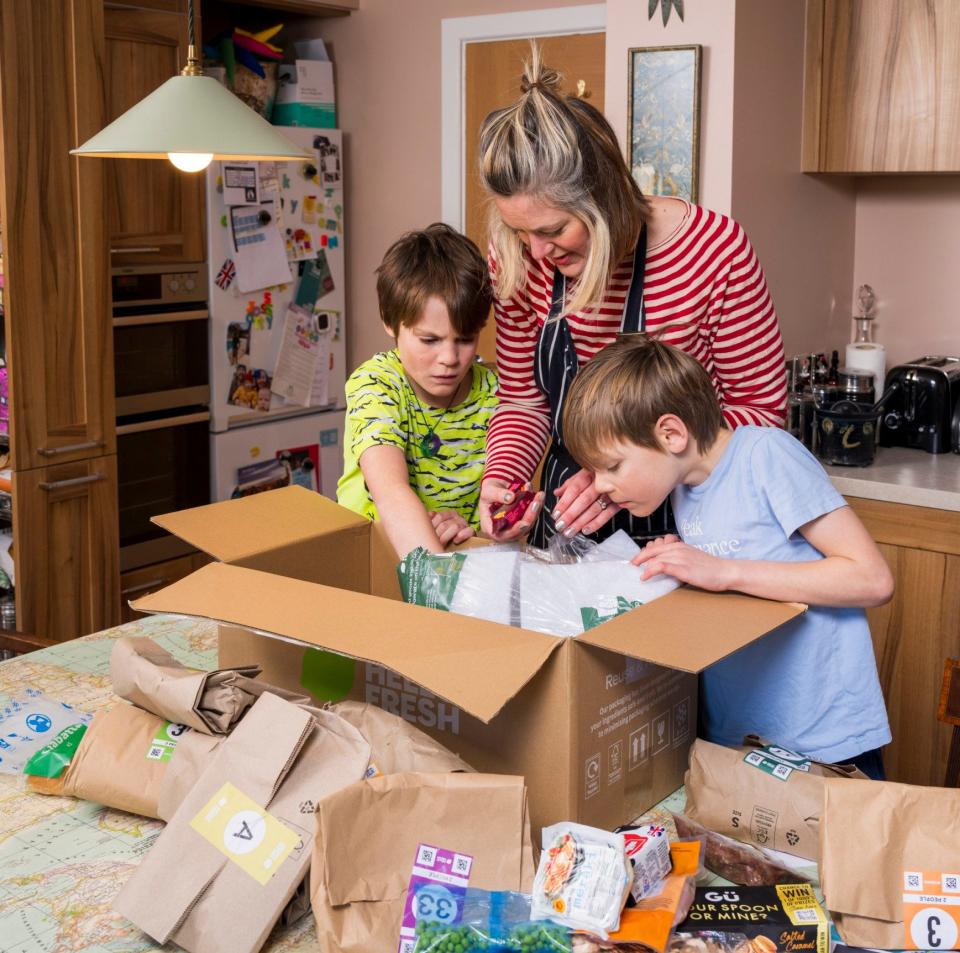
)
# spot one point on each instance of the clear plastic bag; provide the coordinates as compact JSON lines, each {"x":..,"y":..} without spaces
{"x":494,"y":922}
{"x":33,"y":722}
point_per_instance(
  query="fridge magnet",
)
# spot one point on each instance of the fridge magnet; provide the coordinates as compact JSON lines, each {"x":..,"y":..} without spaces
{"x":238,"y":342}
{"x":329,"y":155}
{"x":299,"y":244}
{"x":259,"y":253}
{"x":240,"y":184}
{"x":226,"y":274}
{"x":258,"y":477}
{"x":260,"y":316}
{"x":309,"y":211}
{"x":664,"y":119}
{"x":293,"y":206}
{"x":303,"y":465}
{"x":285,"y":181}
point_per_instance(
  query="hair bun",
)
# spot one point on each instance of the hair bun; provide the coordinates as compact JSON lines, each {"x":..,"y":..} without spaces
{"x":536,"y":75}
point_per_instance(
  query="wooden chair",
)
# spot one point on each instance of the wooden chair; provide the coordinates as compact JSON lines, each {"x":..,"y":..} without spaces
{"x":949,"y":713}
{"x":19,"y":643}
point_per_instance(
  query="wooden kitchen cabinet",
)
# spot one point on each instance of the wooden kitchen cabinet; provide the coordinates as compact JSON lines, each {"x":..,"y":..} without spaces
{"x":141,"y":582}
{"x":66,"y":548}
{"x":155,"y":212}
{"x":916,"y":631}
{"x":881,"y":90}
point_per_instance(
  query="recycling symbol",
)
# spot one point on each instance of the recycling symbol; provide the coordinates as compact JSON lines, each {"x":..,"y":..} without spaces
{"x":793,"y":838}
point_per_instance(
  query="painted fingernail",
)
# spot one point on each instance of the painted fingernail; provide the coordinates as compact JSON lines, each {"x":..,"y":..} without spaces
{"x":534,"y":506}
{"x":560,"y":524}
{"x":569,"y":533}
{"x":507,"y":497}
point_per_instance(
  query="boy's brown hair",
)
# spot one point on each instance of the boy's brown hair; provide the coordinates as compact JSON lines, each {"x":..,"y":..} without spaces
{"x":621,"y":393}
{"x":435,"y":262}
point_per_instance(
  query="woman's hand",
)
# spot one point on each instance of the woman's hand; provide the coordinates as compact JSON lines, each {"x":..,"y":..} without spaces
{"x":495,"y":493}
{"x":450,"y":526}
{"x":670,"y":556}
{"x":580,"y":508}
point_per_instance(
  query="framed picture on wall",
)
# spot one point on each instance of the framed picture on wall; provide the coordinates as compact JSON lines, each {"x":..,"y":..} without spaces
{"x":664,"y":119}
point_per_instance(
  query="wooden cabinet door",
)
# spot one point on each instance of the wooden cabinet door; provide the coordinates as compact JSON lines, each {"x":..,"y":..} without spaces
{"x":59,"y":336}
{"x":881,"y":86}
{"x":137,"y":583}
{"x":67,"y":548}
{"x":154,"y":211}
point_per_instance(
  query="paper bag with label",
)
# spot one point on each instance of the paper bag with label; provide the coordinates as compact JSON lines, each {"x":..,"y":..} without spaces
{"x":760,"y":793}
{"x":221,"y":873}
{"x":211,"y":702}
{"x":890,"y":864}
{"x":132,"y":760}
{"x":396,"y":745}
{"x":361,"y":872}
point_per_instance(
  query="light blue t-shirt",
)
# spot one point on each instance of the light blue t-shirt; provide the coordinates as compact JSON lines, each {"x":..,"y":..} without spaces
{"x":812,"y":684}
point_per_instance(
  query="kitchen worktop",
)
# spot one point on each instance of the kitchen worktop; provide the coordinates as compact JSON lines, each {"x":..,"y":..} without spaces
{"x":901,"y":475}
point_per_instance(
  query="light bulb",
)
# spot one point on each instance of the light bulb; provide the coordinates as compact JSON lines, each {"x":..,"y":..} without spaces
{"x":190,"y":161}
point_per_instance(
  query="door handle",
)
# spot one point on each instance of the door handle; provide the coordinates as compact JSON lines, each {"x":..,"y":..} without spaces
{"x":76,"y":481}
{"x":144,"y":250}
{"x":69,"y":448}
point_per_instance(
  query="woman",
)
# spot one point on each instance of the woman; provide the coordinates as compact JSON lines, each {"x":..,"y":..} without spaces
{"x":578,"y":256}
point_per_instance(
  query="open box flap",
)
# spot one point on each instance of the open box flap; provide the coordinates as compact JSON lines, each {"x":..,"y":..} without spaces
{"x":689,"y":629}
{"x":472,"y":663}
{"x":237,"y":529}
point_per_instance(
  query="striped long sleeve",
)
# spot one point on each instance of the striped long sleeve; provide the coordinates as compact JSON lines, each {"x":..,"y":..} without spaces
{"x":704,"y":292}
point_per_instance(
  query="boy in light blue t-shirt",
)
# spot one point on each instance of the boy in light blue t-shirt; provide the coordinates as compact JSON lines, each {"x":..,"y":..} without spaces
{"x":757,"y":514}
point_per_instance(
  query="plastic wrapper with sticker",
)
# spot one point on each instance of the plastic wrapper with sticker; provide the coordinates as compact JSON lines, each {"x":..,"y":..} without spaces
{"x":735,"y":861}
{"x":760,"y":793}
{"x":127,"y":759}
{"x":890,"y":864}
{"x":212,"y":702}
{"x":782,"y":919}
{"x":236,"y":851}
{"x":37,"y":733}
{"x":570,"y":587}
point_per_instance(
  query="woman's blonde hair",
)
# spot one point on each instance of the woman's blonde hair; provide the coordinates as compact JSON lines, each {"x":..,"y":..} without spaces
{"x":562,"y":151}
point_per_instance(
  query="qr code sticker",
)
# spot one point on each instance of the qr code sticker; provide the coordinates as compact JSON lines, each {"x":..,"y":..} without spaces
{"x":951,"y":883}
{"x":407,"y":946}
{"x":753,"y":758}
{"x":426,"y":856}
{"x":912,"y":880}
{"x":155,"y":753}
{"x":806,"y":916}
{"x":782,"y":771}
{"x":462,"y":864}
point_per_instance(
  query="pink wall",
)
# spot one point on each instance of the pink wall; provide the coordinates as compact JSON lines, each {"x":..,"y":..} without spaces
{"x":907,"y":250}
{"x":387,"y":57}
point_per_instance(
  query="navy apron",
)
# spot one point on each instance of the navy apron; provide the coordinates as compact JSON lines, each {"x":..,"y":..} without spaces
{"x":555,"y":366}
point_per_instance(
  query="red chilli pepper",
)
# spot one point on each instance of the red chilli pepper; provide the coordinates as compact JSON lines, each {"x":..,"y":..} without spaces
{"x":508,"y":515}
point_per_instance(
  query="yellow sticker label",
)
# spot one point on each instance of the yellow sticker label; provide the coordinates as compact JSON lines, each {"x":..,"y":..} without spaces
{"x":931,"y":909}
{"x":800,"y":904}
{"x":243,"y":831}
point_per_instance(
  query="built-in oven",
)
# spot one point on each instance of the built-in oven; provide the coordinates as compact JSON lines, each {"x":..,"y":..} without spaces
{"x":161,"y":367}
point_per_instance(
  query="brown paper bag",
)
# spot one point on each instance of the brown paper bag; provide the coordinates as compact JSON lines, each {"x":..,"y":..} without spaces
{"x":361,"y":870}
{"x":760,"y":794}
{"x":235,"y":852}
{"x":876,"y":836}
{"x":396,"y":745}
{"x":131,"y":760}
{"x":211,"y":702}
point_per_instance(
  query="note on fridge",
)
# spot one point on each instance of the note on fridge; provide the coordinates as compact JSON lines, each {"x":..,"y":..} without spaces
{"x":240,"y":183}
{"x":259,"y":254}
{"x":300,"y":351}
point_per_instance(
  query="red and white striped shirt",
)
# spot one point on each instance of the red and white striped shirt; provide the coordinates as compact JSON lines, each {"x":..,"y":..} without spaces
{"x":704,"y":292}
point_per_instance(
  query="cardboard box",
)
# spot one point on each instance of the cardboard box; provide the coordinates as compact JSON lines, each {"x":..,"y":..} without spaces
{"x":305,"y":95}
{"x":599,"y":725}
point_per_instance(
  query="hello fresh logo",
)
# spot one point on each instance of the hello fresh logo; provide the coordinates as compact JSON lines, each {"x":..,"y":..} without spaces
{"x":410,"y":701}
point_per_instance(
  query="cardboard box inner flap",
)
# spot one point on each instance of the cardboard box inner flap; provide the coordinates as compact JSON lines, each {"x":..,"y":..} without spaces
{"x":275,"y":547}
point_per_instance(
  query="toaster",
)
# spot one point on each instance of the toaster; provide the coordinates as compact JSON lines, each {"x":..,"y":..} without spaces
{"x":921,"y":399}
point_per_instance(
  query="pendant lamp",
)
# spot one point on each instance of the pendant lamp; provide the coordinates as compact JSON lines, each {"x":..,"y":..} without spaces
{"x":191,"y":119}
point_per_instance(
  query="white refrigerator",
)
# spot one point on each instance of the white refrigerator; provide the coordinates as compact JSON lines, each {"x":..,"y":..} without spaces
{"x":275,"y":250}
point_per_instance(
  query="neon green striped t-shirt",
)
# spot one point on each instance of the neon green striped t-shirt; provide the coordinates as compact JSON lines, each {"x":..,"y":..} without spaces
{"x":383,"y":410}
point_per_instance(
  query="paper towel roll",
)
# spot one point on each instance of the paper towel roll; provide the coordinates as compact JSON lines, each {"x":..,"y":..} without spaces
{"x":869,"y":357}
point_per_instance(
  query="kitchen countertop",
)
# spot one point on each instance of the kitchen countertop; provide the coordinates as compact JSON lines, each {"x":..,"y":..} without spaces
{"x":902,"y":475}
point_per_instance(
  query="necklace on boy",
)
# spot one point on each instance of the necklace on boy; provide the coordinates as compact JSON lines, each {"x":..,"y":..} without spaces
{"x":430,"y":443}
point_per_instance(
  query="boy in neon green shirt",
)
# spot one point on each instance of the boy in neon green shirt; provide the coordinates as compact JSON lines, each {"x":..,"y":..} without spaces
{"x":417,"y":415}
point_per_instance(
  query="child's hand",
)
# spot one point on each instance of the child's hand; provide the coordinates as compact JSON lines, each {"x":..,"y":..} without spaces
{"x":496,"y":493}
{"x":450,"y":527}
{"x":671,"y":556}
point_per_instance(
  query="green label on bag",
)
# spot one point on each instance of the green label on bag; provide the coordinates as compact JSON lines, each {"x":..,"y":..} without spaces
{"x":594,"y":616}
{"x":165,"y":740}
{"x":429,"y":579}
{"x":51,"y":760}
{"x":778,"y":762}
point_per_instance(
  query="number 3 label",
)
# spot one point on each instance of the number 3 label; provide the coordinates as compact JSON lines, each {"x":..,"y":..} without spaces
{"x":933,"y":928}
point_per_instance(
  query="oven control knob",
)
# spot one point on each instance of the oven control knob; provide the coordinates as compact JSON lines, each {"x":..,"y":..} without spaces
{"x":892,"y":420}
{"x":173,"y":285}
{"x":189,"y":284}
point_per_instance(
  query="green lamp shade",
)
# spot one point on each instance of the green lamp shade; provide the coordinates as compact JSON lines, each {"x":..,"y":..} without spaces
{"x":191,"y":114}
